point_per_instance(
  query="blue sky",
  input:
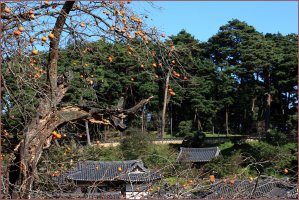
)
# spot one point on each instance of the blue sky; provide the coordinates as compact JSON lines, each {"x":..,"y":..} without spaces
{"x":203,"y":19}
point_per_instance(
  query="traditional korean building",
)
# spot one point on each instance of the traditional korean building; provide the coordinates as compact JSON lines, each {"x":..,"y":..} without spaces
{"x":124,"y":179}
{"x":263,"y":188}
{"x":197,"y":156}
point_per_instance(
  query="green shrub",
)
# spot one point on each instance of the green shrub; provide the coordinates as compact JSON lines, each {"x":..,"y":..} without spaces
{"x":250,"y":158}
{"x":134,"y":145}
{"x":226,"y":145}
{"x":278,"y":137}
{"x":160,"y":156}
{"x":287,"y":157}
{"x":224,"y":166}
{"x":185,"y":128}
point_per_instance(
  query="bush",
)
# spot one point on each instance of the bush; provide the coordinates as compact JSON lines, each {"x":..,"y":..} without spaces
{"x":278,"y":137}
{"x":287,"y":157}
{"x":259,"y":157}
{"x":196,"y":140}
{"x":160,"y":156}
{"x":226,"y":145}
{"x":185,"y":129}
{"x":134,"y":145}
{"x":224,"y":166}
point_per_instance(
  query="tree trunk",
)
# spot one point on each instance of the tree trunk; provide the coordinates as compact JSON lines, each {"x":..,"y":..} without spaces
{"x":226,"y":120}
{"x":165,"y":105}
{"x":53,"y":50}
{"x":171,"y":121}
{"x":199,"y":126}
{"x":253,"y":105}
{"x":39,"y":129}
{"x":87,"y":132}
{"x":142,"y":121}
{"x":36,"y":134}
{"x":267,"y":103}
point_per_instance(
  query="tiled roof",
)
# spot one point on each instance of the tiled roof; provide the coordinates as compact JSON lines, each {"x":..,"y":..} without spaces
{"x":132,"y":170}
{"x":197,"y":154}
{"x":245,"y":189}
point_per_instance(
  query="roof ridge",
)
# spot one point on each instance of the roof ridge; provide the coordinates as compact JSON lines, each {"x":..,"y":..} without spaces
{"x":204,"y":148}
{"x":107,"y":161}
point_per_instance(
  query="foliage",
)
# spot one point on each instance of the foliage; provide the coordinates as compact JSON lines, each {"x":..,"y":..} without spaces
{"x":224,"y":166}
{"x":226,"y":145}
{"x":252,"y":158}
{"x":161,"y":157}
{"x":134,"y":145}
{"x":185,"y":128}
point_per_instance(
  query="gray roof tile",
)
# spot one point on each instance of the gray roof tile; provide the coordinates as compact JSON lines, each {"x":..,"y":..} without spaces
{"x":197,"y":154}
{"x":109,"y":171}
{"x":244,"y":189}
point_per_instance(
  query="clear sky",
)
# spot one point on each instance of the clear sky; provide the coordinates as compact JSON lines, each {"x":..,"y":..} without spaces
{"x":203,"y":19}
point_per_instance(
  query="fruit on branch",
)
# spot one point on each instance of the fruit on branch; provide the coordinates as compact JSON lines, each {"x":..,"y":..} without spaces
{"x":17,"y":33}
{"x":212,"y":178}
{"x":21,"y":28}
{"x":172,"y":93}
{"x":7,"y":10}
{"x":32,"y":16}
{"x":285,"y":171}
{"x":51,"y":36}
{"x":44,"y":39}
{"x":34,"y":52}
{"x":110,"y":59}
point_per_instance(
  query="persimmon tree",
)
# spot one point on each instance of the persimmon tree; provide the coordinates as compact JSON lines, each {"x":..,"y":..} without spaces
{"x":33,"y":36}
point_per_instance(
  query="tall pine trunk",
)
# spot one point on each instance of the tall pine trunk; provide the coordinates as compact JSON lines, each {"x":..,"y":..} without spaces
{"x":87,"y":132}
{"x":226,"y":120}
{"x":267,"y":103}
{"x":165,"y":105}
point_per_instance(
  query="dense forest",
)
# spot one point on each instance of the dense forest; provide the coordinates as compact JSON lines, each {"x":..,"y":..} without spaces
{"x":239,"y":82}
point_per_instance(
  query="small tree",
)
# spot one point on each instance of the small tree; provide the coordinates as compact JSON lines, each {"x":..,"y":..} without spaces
{"x":134,"y":145}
